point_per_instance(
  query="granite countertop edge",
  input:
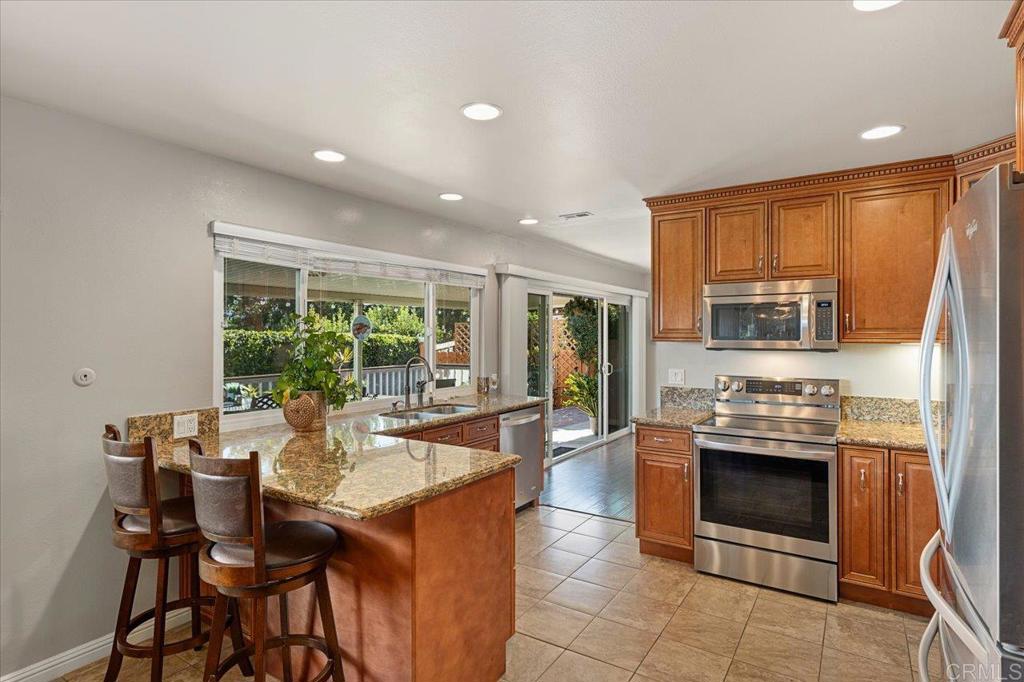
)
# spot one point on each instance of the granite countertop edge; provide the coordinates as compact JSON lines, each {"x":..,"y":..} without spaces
{"x":858,"y":432}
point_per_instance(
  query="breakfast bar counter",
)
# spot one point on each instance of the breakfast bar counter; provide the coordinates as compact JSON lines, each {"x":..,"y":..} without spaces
{"x":423,"y":582}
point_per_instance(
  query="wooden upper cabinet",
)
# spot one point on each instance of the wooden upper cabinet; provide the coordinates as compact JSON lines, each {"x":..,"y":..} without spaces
{"x":677,"y":275}
{"x":664,"y":485}
{"x":736,"y":241}
{"x":863,"y":527}
{"x":890,"y":241}
{"x":916,"y":518}
{"x":802,"y":237}
{"x":1013,"y":33}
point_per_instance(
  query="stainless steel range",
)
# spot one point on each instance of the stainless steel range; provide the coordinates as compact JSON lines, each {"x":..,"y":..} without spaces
{"x":766,"y":484}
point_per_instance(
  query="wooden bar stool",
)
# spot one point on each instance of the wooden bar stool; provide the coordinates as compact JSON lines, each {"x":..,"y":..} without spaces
{"x":150,"y":528}
{"x":245,"y":559}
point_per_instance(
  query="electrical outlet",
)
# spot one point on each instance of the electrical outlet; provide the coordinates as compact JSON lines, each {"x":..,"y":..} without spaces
{"x":186,"y":425}
{"x":677,"y":376}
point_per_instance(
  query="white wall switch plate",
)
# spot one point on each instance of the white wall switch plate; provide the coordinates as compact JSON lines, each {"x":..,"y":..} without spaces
{"x":186,"y":425}
{"x":677,"y":376}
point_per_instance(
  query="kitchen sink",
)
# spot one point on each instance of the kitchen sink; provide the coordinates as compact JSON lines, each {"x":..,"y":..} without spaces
{"x":432,"y":411}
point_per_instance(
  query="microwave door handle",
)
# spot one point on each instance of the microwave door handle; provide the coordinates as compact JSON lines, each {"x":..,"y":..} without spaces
{"x":931,"y":328}
{"x":806,"y":321}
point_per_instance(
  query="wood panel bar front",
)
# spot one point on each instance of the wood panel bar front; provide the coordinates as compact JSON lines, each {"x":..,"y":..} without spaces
{"x":423,"y":593}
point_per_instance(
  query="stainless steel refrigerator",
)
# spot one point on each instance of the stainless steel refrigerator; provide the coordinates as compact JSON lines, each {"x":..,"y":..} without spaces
{"x":977,"y":448}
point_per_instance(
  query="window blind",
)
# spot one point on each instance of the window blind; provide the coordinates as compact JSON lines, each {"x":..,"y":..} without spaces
{"x":319,"y":261}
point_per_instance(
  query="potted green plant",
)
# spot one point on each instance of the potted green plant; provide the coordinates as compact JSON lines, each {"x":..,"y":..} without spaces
{"x":581,"y":390}
{"x":249,"y":393}
{"x":311,"y":381}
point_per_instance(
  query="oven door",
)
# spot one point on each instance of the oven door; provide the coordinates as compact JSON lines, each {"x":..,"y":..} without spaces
{"x":774,"y":321}
{"x":774,"y":495}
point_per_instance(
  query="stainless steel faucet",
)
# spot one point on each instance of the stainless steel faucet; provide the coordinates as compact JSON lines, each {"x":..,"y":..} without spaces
{"x":419,"y":384}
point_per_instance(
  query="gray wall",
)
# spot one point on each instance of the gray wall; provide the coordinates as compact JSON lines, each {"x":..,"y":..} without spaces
{"x":107,"y":263}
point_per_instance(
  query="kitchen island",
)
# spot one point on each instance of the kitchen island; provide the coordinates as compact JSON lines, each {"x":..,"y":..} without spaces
{"x":423,"y":582}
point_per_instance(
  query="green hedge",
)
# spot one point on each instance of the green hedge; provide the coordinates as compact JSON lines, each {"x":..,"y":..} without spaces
{"x":248,"y":352}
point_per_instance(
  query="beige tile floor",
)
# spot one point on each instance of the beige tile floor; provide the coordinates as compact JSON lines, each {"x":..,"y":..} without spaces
{"x":591,"y":608}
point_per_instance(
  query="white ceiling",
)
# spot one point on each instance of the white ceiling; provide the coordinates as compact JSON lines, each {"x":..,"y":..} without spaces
{"x":605,"y":103}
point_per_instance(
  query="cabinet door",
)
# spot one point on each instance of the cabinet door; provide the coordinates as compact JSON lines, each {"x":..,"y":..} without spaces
{"x":664,"y":485}
{"x":916,"y":514}
{"x":862,"y":517}
{"x":677,"y":275}
{"x":736,"y":236}
{"x":890,"y":242}
{"x":802,"y":237}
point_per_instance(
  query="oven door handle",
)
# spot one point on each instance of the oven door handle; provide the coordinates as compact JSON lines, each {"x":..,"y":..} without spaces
{"x":791,"y":450}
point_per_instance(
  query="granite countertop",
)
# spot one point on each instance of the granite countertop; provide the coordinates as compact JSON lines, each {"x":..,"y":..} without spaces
{"x":881,"y":434}
{"x":672,"y":417}
{"x":359,"y":467}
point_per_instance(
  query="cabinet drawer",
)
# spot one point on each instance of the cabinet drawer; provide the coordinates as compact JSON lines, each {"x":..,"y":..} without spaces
{"x":664,"y":440}
{"x":449,"y":435}
{"x":491,"y":444}
{"x":479,"y":429}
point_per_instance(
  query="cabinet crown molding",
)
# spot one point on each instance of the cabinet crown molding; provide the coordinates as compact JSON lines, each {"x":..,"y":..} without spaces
{"x":1013,"y":27}
{"x":934,"y":163}
{"x":1002,"y":145}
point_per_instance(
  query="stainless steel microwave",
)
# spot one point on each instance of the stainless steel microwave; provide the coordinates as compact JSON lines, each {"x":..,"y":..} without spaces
{"x":796,"y":314}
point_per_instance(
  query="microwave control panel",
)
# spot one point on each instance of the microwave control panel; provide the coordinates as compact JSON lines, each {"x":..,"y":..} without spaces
{"x":824,"y":329}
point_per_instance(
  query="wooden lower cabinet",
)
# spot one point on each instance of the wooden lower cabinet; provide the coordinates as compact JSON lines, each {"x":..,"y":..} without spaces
{"x":665,"y":502}
{"x":916,"y":518}
{"x":664,"y":492}
{"x":888,"y":513}
{"x":863,"y":517}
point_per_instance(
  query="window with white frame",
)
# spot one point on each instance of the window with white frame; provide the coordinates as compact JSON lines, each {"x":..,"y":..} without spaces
{"x":413,"y":310}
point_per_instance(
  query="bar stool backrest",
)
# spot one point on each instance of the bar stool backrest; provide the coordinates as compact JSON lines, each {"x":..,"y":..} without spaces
{"x":229,"y":502}
{"x":131,"y":478}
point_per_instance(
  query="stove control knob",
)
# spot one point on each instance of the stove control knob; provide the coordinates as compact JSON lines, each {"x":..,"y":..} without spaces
{"x":827,"y":390}
{"x":810,"y":389}
{"x":723,"y":385}
{"x":737,"y":386}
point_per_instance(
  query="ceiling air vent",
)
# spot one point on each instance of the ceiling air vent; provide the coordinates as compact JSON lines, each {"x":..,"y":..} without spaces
{"x":574,"y":216}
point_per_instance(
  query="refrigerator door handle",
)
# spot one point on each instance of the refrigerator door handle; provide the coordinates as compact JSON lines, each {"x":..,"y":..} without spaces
{"x":932,"y":317}
{"x":926,"y":644}
{"x":943,"y":611}
{"x":958,"y":430}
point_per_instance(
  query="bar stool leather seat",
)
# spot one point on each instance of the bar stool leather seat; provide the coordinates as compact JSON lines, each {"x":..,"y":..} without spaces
{"x":288,"y":543}
{"x":178,"y":515}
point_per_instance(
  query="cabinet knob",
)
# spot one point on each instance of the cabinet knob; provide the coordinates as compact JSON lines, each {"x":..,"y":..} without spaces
{"x":659,"y":439}
{"x":686,"y":471}
{"x":775,"y":263}
{"x":899,"y":484}
{"x":700,"y":323}
{"x":760,"y":263}
{"x":863,"y":480}
{"x":846,"y":322}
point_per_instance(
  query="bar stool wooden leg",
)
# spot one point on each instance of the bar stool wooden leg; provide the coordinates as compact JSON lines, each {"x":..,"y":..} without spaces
{"x":124,"y":614}
{"x":193,"y":588}
{"x":237,"y":640}
{"x":156,"y":671}
{"x":286,"y":655}
{"x":259,"y":637}
{"x":323,"y":597}
{"x":220,"y":610}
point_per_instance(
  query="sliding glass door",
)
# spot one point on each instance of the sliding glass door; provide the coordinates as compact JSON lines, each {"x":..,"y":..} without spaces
{"x":578,"y":356}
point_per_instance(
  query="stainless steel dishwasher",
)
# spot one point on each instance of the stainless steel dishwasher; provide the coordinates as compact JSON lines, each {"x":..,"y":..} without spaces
{"x":522,"y":433}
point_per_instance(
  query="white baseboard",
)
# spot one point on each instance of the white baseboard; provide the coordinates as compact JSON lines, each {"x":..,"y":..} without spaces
{"x":54,"y":667}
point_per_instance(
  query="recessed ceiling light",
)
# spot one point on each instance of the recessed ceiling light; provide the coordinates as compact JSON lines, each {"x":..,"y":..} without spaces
{"x":874,"y":5}
{"x":528,"y":221}
{"x":450,"y":196}
{"x":328,"y":155}
{"x":481,"y":111}
{"x":879,"y":132}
